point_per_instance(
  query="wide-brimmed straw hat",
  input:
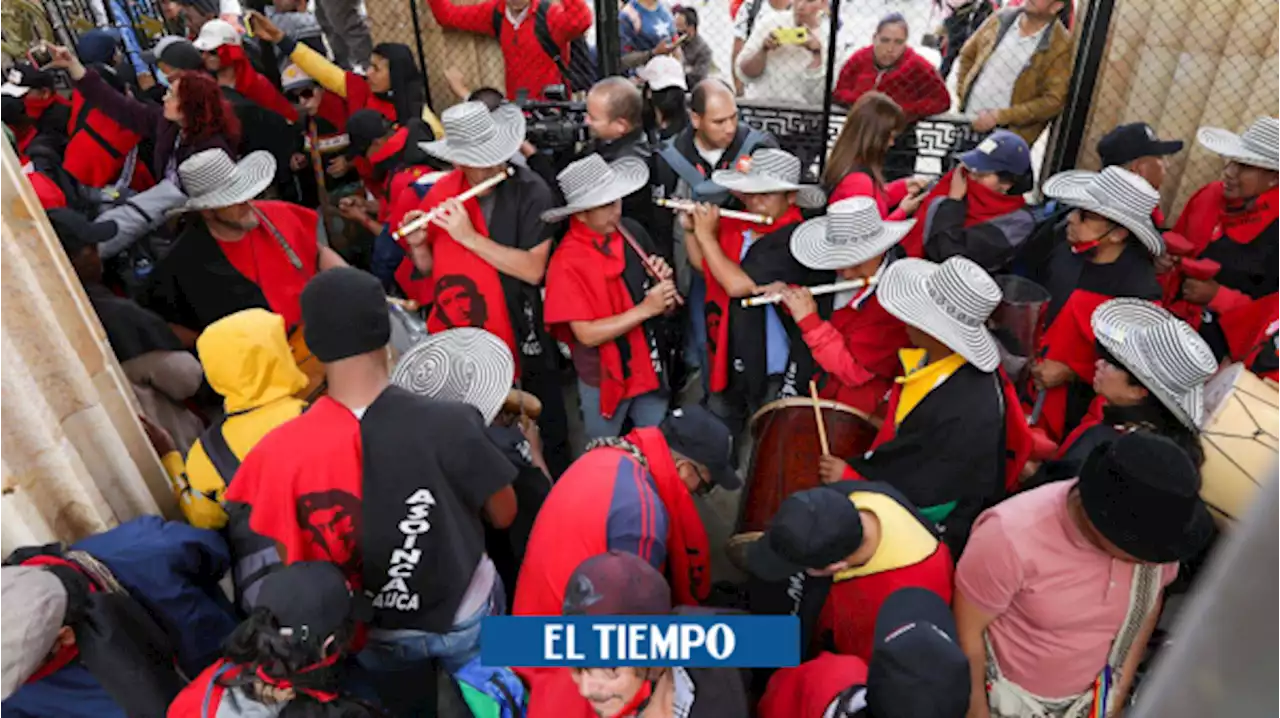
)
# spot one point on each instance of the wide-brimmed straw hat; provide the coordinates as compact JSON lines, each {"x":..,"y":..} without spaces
{"x":1258,"y":146}
{"x":851,"y":232}
{"x":950,"y":302}
{"x":591,"y":182}
{"x":476,"y":137}
{"x":1114,"y":193}
{"x":1161,"y":351}
{"x":466,"y":364}
{"x":769,"y":170}
{"x":212,"y":180}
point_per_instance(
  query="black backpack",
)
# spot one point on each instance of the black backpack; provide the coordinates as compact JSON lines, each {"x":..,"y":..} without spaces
{"x":580,"y":73}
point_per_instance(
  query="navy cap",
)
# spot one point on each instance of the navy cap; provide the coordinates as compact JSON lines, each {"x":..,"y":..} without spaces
{"x":98,"y":45}
{"x":363,"y":127}
{"x":1127,"y":143}
{"x":1001,"y":151}
{"x":917,"y":669}
{"x":695,"y":433}
{"x":616,"y":583}
{"x":311,"y":601}
{"x":812,"y":530}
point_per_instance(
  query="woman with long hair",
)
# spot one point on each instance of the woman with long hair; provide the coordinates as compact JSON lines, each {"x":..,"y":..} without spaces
{"x":194,"y":117}
{"x":855,"y":167}
{"x":286,"y":658}
{"x":665,"y":113}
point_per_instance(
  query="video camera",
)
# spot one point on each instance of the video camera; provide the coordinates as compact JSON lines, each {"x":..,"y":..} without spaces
{"x":555,"y":124}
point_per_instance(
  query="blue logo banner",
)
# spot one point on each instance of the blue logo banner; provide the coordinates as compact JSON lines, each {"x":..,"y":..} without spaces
{"x":610,"y":641}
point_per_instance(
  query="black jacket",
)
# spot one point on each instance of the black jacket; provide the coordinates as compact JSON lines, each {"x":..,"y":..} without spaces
{"x":992,"y":244}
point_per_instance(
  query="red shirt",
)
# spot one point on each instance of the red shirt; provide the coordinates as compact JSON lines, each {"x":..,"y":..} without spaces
{"x":260,"y":258}
{"x":858,"y":350}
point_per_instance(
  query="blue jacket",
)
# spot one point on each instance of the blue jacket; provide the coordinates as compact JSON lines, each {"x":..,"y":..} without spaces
{"x":171,"y":568}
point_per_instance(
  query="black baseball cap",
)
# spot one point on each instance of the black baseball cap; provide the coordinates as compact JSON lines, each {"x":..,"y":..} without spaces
{"x":23,"y":76}
{"x":695,"y":433}
{"x":311,"y":601}
{"x":76,"y":232}
{"x":917,"y":669}
{"x":176,"y":52}
{"x":363,"y":127}
{"x":1127,"y":143}
{"x":812,"y":530}
{"x":616,"y":583}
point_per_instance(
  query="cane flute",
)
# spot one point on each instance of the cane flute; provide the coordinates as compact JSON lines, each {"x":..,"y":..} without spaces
{"x":645,"y":259}
{"x":677,"y":205}
{"x":817,"y":415}
{"x":833,"y":288}
{"x":423,"y":221}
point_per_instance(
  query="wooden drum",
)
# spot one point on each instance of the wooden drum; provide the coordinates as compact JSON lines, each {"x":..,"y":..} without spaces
{"x":1239,"y":438}
{"x":785,"y":456}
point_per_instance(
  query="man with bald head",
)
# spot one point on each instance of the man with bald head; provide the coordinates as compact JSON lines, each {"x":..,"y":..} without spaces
{"x":615,"y":118}
{"x":714,"y":140}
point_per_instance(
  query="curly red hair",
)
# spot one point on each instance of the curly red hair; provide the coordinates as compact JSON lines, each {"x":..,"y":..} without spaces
{"x":205,"y":111}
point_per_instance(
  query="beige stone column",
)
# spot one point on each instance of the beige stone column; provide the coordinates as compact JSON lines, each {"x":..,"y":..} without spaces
{"x":75,"y":459}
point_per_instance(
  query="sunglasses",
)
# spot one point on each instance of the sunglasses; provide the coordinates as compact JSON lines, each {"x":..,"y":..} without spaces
{"x":303,"y":94}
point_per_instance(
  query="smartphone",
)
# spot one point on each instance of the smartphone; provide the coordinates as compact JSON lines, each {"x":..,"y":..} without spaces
{"x":791,"y":35}
{"x":40,"y":55}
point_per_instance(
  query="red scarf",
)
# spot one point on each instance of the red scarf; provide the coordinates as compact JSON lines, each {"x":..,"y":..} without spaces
{"x":717,"y":309}
{"x":36,"y":106}
{"x":64,"y":654}
{"x":585,"y":283}
{"x":981,"y":205}
{"x":688,"y":552}
{"x":458,"y":275}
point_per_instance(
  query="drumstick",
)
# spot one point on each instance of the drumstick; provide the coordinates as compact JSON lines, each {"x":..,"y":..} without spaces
{"x":821,"y":289}
{"x":817,"y":414}
{"x":645,"y":258}
{"x":683,"y":206}
{"x":423,"y":221}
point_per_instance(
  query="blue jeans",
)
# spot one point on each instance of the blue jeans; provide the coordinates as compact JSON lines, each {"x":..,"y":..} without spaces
{"x":399,"y":661}
{"x":695,"y":345}
{"x":645,"y":410}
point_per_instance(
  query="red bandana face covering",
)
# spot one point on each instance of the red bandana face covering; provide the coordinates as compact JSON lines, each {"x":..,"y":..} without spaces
{"x":981,"y":204}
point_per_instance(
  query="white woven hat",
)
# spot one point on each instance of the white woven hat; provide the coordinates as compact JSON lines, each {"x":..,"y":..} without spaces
{"x":1114,"y":193}
{"x":216,"y":33}
{"x":212,"y":180}
{"x":662,"y":72}
{"x":1259,"y":146}
{"x":1163,"y":352}
{"x":466,"y":364}
{"x":476,"y":137}
{"x":591,"y":182}
{"x":950,"y":302}
{"x":770,"y":170}
{"x":851,"y":232}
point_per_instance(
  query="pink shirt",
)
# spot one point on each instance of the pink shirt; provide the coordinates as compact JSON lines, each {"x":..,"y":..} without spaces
{"x":1059,"y":601}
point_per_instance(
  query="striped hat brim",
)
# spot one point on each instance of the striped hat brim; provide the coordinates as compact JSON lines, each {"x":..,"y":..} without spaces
{"x":629,"y":174}
{"x":497,"y":149}
{"x":467,"y":365}
{"x":807,"y":196}
{"x":810,"y":247}
{"x":903,"y":292}
{"x":1071,"y":187}
{"x":1114,"y":324}
{"x":251,"y":176}
{"x":1232,"y":146}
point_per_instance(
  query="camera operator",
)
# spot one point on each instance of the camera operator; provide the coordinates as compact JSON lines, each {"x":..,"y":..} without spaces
{"x":615,"y":119}
{"x":715,"y":140}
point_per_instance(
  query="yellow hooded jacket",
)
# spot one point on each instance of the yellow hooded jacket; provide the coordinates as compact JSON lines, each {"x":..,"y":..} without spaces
{"x":247,"y":360}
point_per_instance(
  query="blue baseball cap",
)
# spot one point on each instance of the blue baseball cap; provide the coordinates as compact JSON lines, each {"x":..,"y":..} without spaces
{"x":1001,"y":151}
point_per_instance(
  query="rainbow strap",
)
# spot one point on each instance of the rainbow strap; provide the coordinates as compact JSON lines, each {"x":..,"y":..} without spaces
{"x":1101,"y":692}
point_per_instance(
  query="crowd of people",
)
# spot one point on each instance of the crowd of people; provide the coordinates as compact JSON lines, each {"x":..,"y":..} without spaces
{"x":1000,"y":545}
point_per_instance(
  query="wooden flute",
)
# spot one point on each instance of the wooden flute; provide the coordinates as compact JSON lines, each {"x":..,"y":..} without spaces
{"x":645,"y":259}
{"x":423,"y":221}
{"x":834,"y":287}
{"x":679,"y":205}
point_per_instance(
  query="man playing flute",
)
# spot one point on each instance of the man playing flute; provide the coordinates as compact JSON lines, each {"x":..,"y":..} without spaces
{"x":756,"y":355}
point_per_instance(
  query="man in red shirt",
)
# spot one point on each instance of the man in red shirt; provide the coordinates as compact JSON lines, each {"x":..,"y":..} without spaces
{"x":856,"y":542}
{"x":631,"y":494}
{"x":515,"y":24}
{"x":239,"y":253}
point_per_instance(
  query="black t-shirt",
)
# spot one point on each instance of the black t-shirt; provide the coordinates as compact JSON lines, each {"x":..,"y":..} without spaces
{"x":429,"y":466}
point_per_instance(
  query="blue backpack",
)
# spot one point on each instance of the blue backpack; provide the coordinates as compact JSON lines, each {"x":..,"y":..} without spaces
{"x":491,"y":692}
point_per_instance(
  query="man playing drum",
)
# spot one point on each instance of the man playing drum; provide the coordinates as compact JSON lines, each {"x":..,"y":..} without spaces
{"x":853,"y":543}
{"x":1150,"y":374}
{"x":752,"y":355}
{"x":858,"y":348}
{"x":943,"y":440}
